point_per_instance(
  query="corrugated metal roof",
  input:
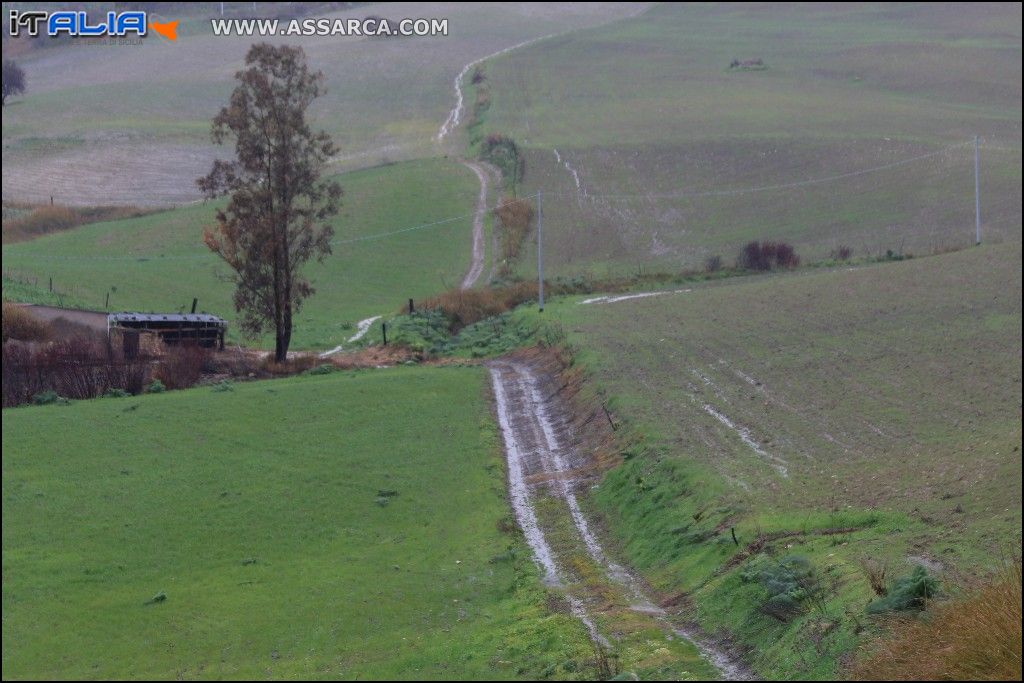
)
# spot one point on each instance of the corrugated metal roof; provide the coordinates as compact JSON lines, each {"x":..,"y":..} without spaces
{"x":165,"y":317}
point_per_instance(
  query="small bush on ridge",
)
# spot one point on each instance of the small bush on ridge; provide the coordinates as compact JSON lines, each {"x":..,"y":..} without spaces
{"x":767,"y":256}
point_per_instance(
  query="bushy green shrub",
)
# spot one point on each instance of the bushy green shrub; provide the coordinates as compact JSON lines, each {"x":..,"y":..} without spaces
{"x":789,"y":584}
{"x":322,"y":369}
{"x":156,"y":387}
{"x":907,"y":593}
{"x":45,"y":398}
{"x":503,"y":152}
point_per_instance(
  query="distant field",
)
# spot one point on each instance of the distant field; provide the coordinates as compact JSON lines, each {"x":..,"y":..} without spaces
{"x":157,"y":262}
{"x":130,"y":124}
{"x":883,"y":401}
{"x":616,"y":117}
{"x":255,"y":511}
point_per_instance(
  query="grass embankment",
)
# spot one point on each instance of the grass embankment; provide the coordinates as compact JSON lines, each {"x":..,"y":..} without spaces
{"x":834,"y":420}
{"x":158,"y":262}
{"x":339,"y":526}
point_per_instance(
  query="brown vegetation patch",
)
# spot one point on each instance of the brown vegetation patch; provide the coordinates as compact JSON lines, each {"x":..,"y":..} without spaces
{"x":464,"y":307}
{"x":514,"y":222}
{"x":35,"y":221}
{"x":79,"y":368}
{"x":374,"y":357}
{"x":21,"y":325}
{"x":975,"y":637}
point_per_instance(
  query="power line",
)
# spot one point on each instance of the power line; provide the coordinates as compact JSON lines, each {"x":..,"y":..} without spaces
{"x":381,"y":235}
{"x":767,"y":188}
{"x":452,"y":219}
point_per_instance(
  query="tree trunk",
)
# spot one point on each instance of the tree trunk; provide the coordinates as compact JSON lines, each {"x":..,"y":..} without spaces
{"x":284,"y":334}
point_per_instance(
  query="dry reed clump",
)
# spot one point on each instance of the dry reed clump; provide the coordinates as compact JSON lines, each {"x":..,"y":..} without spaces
{"x":21,"y":325}
{"x":464,"y":307}
{"x":514,"y":223}
{"x":36,"y":221}
{"x":975,"y":637}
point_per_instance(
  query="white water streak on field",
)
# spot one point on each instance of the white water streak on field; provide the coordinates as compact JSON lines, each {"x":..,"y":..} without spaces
{"x":746,"y":436}
{"x":362,"y":327}
{"x":455,"y":115}
{"x":573,"y":172}
{"x":626,"y":297}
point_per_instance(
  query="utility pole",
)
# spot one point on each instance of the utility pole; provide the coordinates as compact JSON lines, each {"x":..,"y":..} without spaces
{"x":977,"y":196}
{"x":540,"y":253}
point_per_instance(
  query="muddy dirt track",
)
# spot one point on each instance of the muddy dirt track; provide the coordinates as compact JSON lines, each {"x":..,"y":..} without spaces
{"x":476,"y":267}
{"x":543,"y":464}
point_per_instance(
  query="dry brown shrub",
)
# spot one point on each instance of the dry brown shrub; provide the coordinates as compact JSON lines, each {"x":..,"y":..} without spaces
{"x":295,"y":364}
{"x":514,"y":222}
{"x":373,"y":357}
{"x":19,"y":324}
{"x":75,"y":368}
{"x":876,"y":575}
{"x":181,"y":366}
{"x":38,"y":220}
{"x":466,"y":306}
{"x":975,"y":637}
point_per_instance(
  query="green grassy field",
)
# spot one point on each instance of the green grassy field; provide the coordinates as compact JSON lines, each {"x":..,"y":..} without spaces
{"x":130,"y":124}
{"x":614,"y":118}
{"x":255,"y":511}
{"x":873,"y":414}
{"x":157,"y":262}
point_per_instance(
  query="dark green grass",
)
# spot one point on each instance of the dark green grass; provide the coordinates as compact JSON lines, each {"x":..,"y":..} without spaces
{"x":890,"y":390}
{"x":158,"y":262}
{"x":257,"y":513}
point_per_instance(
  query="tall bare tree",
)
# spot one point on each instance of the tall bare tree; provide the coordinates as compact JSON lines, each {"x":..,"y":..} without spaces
{"x":277,"y":216}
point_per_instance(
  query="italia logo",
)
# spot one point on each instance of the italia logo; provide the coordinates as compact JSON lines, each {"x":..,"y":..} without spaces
{"x":117,"y":24}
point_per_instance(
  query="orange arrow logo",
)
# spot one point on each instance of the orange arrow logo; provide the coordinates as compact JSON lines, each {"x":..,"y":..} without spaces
{"x":168,"y":29}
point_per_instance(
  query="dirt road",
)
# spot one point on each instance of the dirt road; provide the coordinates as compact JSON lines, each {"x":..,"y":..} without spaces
{"x":476,"y":266}
{"x":544,"y":471}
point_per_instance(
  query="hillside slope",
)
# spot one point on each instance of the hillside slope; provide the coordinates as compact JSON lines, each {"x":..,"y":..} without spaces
{"x":849,"y":416}
{"x":856,"y":132}
{"x":130,"y":124}
{"x":158,"y":262}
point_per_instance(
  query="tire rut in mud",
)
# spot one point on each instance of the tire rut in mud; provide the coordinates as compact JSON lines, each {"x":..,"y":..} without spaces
{"x":476,"y":266}
{"x":544,"y":470}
